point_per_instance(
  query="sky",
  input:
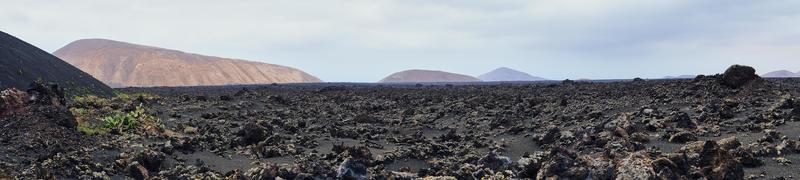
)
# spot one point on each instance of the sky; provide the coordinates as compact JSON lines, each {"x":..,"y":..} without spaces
{"x":366,"y":40}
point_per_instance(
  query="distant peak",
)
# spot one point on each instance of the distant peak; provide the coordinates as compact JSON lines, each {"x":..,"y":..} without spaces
{"x":508,"y":74}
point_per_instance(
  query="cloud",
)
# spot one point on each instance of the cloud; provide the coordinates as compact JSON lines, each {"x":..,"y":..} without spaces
{"x":364,"y":40}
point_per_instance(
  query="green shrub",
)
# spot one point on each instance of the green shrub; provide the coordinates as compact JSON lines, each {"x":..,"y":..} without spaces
{"x":131,"y":120}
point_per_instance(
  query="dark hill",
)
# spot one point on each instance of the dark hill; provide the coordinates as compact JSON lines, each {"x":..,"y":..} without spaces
{"x":22,"y":63}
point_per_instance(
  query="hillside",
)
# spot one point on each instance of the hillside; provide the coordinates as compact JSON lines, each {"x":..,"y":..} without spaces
{"x":121,"y":64}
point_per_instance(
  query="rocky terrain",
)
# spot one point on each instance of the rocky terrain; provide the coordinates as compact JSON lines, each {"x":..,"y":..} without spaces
{"x":781,"y":74}
{"x":729,"y":126}
{"x":508,"y":74}
{"x":680,"y":77}
{"x":416,"y":76}
{"x":22,"y":63}
{"x":121,"y":64}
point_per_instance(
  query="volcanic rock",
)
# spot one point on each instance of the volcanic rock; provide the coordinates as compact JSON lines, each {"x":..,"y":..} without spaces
{"x":635,"y":166}
{"x":682,"y":137}
{"x":713,"y":161}
{"x":738,"y":75}
{"x":495,"y":162}
{"x":252,"y":133}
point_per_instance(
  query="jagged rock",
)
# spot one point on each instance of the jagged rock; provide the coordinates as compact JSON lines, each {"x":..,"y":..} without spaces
{"x":682,"y":137}
{"x":152,"y":160}
{"x":137,"y":171}
{"x":351,"y":169}
{"x":674,"y":166}
{"x":12,"y":101}
{"x":50,"y":94}
{"x":682,"y":120}
{"x":747,"y":158}
{"x":738,"y":75}
{"x":552,"y":134}
{"x":252,"y":133}
{"x":598,"y":167}
{"x":263,"y":171}
{"x":713,"y":161}
{"x":495,"y":162}
{"x":770,"y":136}
{"x":555,"y":163}
{"x":788,"y":147}
{"x":635,"y":166}
{"x":729,"y":143}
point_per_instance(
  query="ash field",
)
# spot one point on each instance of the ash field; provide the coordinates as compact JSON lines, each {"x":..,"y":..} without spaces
{"x":729,"y":126}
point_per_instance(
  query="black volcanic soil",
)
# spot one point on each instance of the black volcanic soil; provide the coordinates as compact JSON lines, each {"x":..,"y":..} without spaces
{"x":22,"y":63}
{"x":667,"y":129}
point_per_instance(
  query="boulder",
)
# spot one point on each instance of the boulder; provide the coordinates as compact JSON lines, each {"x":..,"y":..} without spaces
{"x":682,"y":137}
{"x":495,"y":162}
{"x":351,"y":169}
{"x":729,"y":143}
{"x":682,"y":120}
{"x":137,"y":171}
{"x":252,"y":133}
{"x":713,"y":161}
{"x":637,"y":165}
{"x":552,"y":134}
{"x":738,"y":75}
{"x":47,"y":94}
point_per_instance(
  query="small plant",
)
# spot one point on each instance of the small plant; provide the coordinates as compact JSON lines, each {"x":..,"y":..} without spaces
{"x":132,"y":120}
{"x":120,"y":122}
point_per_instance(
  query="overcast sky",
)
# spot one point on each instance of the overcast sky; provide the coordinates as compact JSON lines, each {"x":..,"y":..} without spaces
{"x":365,"y":40}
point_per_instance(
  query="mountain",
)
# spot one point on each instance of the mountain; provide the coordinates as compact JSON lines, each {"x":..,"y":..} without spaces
{"x":680,"y":77}
{"x":427,"y":76}
{"x":508,"y":74}
{"x":122,"y":64}
{"x":781,"y":73}
{"x":22,"y":63}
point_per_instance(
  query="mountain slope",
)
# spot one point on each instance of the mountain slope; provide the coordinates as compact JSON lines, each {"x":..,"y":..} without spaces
{"x":427,"y":76}
{"x":508,"y":74}
{"x":121,"y":64}
{"x":781,"y":73}
{"x":22,"y":63}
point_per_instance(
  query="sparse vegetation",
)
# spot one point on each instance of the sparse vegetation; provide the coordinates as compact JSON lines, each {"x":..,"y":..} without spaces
{"x":97,"y":115}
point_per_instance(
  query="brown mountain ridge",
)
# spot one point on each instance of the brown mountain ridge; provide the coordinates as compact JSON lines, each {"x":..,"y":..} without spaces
{"x":417,"y":75}
{"x":121,"y":64}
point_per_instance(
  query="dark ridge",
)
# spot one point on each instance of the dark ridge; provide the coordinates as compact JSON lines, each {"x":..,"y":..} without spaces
{"x":23,"y":63}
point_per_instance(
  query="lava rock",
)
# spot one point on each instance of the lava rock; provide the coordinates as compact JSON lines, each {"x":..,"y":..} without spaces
{"x":729,"y":143}
{"x":351,"y":169}
{"x":682,"y":137}
{"x":12,"y":101}
{"x":713,"y":161}
{"x":152,"y":160}
{"x":682,"y":120}
{"x":552,"y":135}
{"x":137,"y":171}
{"x":50,"y":94}
{"x":252,"y":133}
{"x":788,"y":147}
{"x":263,"y":171}
{"x":635,"y":166}
{"x":738,"y":75}
{"x":495,"y":162}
